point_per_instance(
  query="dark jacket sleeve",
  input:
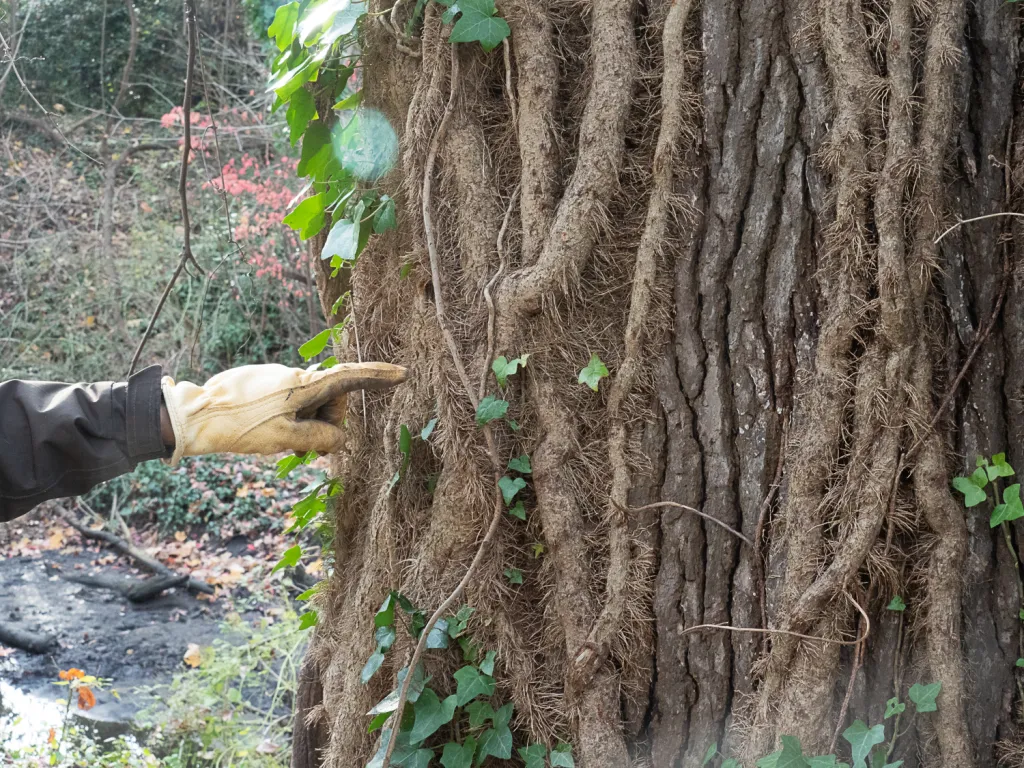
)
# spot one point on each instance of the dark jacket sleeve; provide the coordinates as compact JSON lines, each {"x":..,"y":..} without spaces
{"x":62,"y":439}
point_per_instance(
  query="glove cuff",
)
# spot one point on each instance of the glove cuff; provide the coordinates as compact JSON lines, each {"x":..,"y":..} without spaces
{"x":177,"y":420}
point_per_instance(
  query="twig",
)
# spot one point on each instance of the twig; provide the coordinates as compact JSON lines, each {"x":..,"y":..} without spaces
{"x":858,"y":656}
{"x":499,"y":503}
{"x":186,"y":148}
{"x":705,"y":515}
{"x":500,"y":245}
{"x":961,"y":222}
{"x":513,"y":107}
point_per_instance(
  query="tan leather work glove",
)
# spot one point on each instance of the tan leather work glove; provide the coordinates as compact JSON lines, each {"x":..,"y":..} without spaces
{"x":268,"y":409}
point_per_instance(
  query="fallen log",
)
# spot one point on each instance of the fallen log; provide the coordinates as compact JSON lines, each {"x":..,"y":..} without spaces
{"x":135,"y":590}
{"x":147,"y":562}
{"x":33,"y":642}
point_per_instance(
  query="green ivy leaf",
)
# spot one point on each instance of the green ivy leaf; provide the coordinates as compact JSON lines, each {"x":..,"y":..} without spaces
{"x":896,"y":604}
{"x":309,"y":593}
{"x":316,"y":345}
{"x":428,"y":430}
{"x":710,"y":754}
{"x":472,"y":683}
{"x":351,"y":101}
{"x":924,"y":696}
{"x":438,"y":636}
{"x":479,"y":713}
{"x":459,"y":755}
{"x":308,"y":217}
{"x":282,"y":29}
{"x":862,"y":739}
{"x":431,"y":714}
{"x":999,"y":467}
{"x":301,"y":110}
{"x":790,"y":756}
{"x":503,"y":367}
{"x":894,"y":707}
{"x":504,"y":715}
{"x":385,"y":637}
{"x":538,"y":549}
{"x":289,"y":559}
{"x":593,"y":373}
{"x":521,"y":465}
{"x":1020,"y":663}
{"x":384,"y":217}
{"x":1010,"y":509}
{"x":343,"y":242}
{"x":288,"y":463}
{"x":371,"y":666}
{"x":308,"y":620}
{"x":533,"y":755}
{"x":385,"y":615}
{"x":478,"y":22}
{"x":825,"y":761}
{"x":561,"y":756}
{"x":460,"y":621}
{"x":419,"y":682}
{"x":489,"y":409}
{"x":509,"y":487}
{"x":316,"y":150}
{"x":518,"y":511}
{"x":514,"y":575}
{"x":487,"y":665}
{"x":378,"y":721}
{"x":496,"y":741}
{"x":973,"y":495}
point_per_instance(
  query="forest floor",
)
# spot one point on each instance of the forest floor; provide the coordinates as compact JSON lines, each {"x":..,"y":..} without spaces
{"x":137,"y":645}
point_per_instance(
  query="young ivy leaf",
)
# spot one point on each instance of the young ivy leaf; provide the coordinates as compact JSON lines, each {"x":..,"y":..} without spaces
{"x":521,"y":465}
{"x":472,"y":683}
{"x":371,"y":666}
{"x":1020,"y":663}
{"x":343,"y":241}
{"x":533,"y":755}
{"x":561,"y":756}
{"x":593,"y":373}
{"x":973,"y":495}
{"x":538,"y":549}
{"x":503,"y":367}
{"x":509,"y":487}
{"x":378,"y":721}
{"x":896,"y":604}
{"x":710,"y":754}
{"x":514,"y":575}
{"x":999,"y":467}
{"x":924,"y":696}
{"x":518,"y":511}
{"x":316,"y":345}
{"x":790,"y":756}
{"x":288,"y":463}
{"x":459,"y":755}
{"x":489,"y":409}
{"x":1010,"y":509}
{"x":308,"y":620}
{"x":479,"y":22}
{"x":893,"y":707}
{"x":862,"y":739}
{"x":384,"y":217}
{"x":487,"y":665}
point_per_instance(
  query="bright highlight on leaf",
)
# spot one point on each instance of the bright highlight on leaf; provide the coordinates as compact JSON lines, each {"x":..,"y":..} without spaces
{"x":593,"y":373}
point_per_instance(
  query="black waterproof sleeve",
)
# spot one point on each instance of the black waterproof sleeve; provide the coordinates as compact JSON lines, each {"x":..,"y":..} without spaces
{"x":62,"y":439}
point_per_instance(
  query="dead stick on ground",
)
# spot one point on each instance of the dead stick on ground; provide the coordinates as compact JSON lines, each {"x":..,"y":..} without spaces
{"x":499,"y":503}
{"x":147,"y":562}
{"x":186,"y":149}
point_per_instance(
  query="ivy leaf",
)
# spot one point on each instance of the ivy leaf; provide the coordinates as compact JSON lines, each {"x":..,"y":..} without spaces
{"x":438,"y":636}
{"x":316,"y":345}
{"x":973,"y":495}
{"x":862,"y":739}
{"x":521,"y":465}
{"x":301,"y":110}
{"x":825,"y":761}
{"x":924,"y":696}
{"x":514,"y":575}
{"x":538,"y":549}
{"x":308,"y":620}
{"x":343,"y":242}
{"x":349,"y":102}
{"x":509,"y":488}
{"x":790,"y":756}
{"x":1020,"y":663}
{"x":449,"y":16}
{"x":308,"y":217}
{"x":503,"y":367}
{"x":533,"y":755}
{"x":371,"y":666}
{"x":999,"y":467}
{"x":478,"y":22}
{"x":288,"y":463}
{"x":461,"y":619}
{"x":419,"y":758}
{"x":282,"y":29}
{"x":896,"y":604}
{"x":561,"y":756}
{"x":431,"y":714}
{"x":518,"y":511}
{"x":316,"y":150}
{"x":504,"y":715}
{"x":384,"y":217}
{"x":1010,"y":509}
{"x":385,"y":615}
{"x":593,"y":373}
{"x":487,"y":665}
{"x":289,"y":559}
{"x":428,"y":430}
{"x":472,"y":683}
{"x":496,"y":741}
{"x":378,"y":721}
{"x":479,"y":713}
{"x":459,"y":755}
{"x":894,"y":707}
{"x":489,"y":409}
{"x":385,"y":637}
{"x":710,"y":754}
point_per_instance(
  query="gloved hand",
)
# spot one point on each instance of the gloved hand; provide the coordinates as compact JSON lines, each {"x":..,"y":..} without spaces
{"x":268,"y":409}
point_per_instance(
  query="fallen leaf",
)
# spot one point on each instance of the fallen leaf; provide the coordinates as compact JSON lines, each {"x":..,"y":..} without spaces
{"x":55,"y":539}
{"x":180,"y":536}
{"x":267,"y":747}
{"x":71,"y":674}
{"x":86,"y":698}
{"x":193,"y":656}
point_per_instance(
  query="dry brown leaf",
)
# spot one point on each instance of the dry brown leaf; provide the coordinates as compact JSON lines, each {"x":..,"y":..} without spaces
{"x":193,"y":656}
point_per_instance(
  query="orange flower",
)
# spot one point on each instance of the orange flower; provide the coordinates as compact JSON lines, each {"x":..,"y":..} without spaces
{"x":71,"y":674}
{"x":86,"y":698}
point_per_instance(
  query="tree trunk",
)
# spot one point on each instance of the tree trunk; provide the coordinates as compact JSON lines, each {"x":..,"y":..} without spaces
{"x":736,"y":206}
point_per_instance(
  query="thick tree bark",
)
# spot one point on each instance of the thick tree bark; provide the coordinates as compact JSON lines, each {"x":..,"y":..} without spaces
{"x":736,"y":206}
